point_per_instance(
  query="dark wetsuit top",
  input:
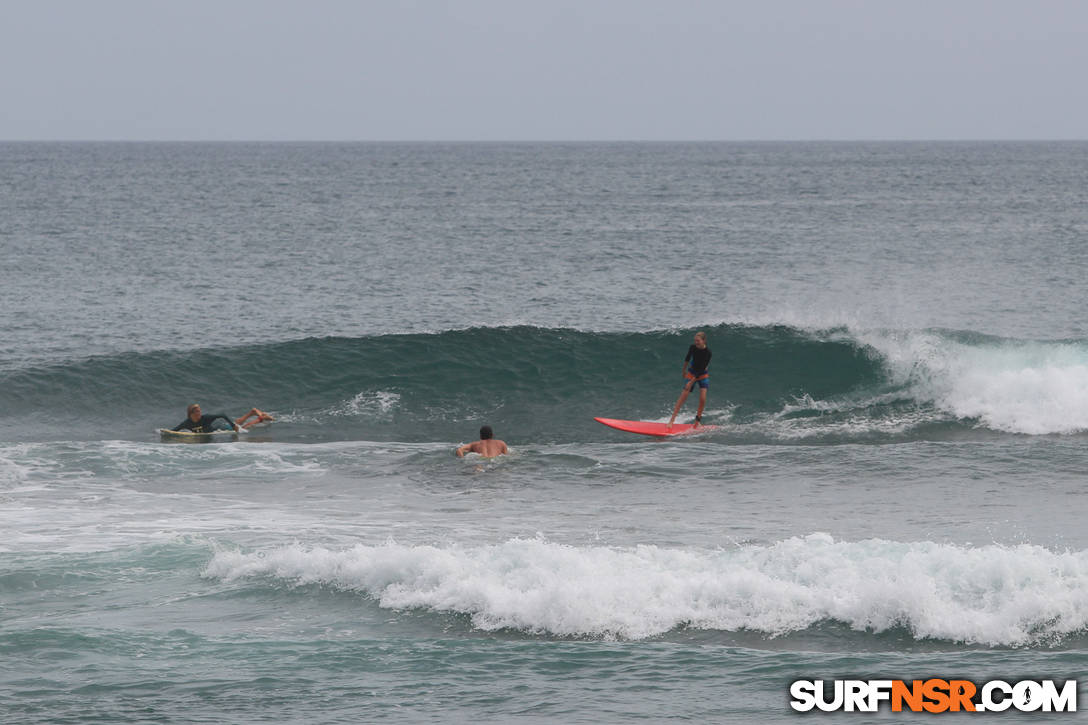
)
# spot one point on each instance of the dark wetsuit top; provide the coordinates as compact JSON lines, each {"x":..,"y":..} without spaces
{"x":699,"y":360}
{"x":204,"y":425}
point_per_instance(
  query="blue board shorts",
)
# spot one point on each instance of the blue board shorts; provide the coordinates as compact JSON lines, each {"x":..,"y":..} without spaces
{"x":703,"y":382}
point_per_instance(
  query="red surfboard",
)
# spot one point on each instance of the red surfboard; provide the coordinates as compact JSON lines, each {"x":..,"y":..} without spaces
{"x":650,"y":428}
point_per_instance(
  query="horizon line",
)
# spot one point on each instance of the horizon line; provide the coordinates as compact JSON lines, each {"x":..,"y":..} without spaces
{"x":546,"y":141}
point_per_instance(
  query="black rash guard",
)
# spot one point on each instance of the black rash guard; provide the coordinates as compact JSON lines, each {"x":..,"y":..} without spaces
{"x":699,"y":359}
{"x":204,"y":425}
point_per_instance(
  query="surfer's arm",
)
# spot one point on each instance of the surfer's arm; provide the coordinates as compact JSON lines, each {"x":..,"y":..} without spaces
{"x":464,"y":449}
{"x":183,"y":425}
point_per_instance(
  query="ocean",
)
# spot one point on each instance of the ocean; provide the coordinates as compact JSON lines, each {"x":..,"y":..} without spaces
{"x":895,"y":487}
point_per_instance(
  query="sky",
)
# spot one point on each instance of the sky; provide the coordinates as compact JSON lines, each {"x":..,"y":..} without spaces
{"x":559,"y":70}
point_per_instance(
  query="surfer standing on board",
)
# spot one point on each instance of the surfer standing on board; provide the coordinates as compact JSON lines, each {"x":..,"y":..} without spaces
{"x":694,"y":369}
{"x":488,"y":446}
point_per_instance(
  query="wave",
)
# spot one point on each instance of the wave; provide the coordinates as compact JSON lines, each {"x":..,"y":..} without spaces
{"x":992,"y":595}
{"x":1015,"y":386}
{"x":769,"y":383}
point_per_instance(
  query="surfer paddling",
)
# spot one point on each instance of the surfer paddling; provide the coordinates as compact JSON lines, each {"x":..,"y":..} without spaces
{"x":695,"y":373}
{"x":196,"y":422}
{"x":488,"y":446}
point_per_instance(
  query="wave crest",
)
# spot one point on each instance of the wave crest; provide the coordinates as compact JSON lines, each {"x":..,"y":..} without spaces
{"x":992,"y":595}
{"x":770,"y":383}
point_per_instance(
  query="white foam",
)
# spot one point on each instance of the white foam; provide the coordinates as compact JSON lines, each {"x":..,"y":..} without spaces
{"x":1014,"y":386}
{"x":845,"y":417}
{"x":375,"y":404}
{"x":11,"y":471}
{"x":94,"y":495}
{"x":995,"y":595}
{"x":27,"y":465}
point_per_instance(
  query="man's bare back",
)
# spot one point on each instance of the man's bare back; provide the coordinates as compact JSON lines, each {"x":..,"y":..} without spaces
{"x":487,"y":449}
{"x":487,"y":446}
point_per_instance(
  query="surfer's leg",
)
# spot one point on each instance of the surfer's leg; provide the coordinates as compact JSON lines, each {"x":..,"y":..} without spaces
{"x":680,"y":402}
{"x":702,"y":404}
{"x":258,"y":415}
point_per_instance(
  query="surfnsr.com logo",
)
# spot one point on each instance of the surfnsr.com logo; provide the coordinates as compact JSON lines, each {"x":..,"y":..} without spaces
{"x":933,"y":695}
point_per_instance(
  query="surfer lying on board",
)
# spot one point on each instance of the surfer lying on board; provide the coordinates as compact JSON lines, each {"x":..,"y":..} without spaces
{"x":695,"y":373}
{"x":488,"y":446}
{"x":199,"y":423}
